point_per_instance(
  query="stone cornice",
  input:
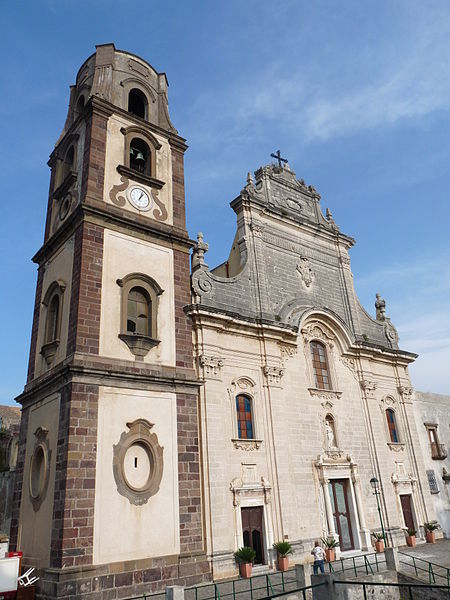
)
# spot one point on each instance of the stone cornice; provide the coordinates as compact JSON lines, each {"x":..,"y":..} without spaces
{"x":106,"y":217}
{"x":233,"y":323}
{"x":107,"y":371}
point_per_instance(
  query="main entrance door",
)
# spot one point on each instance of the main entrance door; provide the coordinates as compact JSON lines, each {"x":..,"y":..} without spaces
{"x":407,"y":511}
{"x":338,"y":489}
{"x":252,"y":531}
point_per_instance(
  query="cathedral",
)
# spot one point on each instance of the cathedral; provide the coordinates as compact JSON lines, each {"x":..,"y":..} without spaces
{"x":174,"y":413}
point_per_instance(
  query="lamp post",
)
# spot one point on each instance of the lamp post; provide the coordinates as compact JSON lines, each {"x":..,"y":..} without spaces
{"x":376,"y":490}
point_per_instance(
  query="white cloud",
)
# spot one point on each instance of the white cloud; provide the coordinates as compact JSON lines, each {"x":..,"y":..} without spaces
{"x":410,"y":79}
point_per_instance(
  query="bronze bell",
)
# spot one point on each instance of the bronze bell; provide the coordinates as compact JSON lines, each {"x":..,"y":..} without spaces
{"x":139,"y":157}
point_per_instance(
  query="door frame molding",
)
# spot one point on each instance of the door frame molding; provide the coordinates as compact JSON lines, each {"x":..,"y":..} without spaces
{"x":252,"y":496}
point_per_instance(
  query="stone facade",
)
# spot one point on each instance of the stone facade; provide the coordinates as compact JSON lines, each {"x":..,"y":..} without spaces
{"x":133,"y":470}
{"x":108,"y":489}
{"x":432,"y":412}
{"x":286,"y":285}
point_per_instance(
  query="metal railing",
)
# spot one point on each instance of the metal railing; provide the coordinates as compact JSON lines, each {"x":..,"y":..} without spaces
{"x":253,"y":588}
{"x":365,"y":563}
{"x":422,"y":566}
{"x":408,"y":588}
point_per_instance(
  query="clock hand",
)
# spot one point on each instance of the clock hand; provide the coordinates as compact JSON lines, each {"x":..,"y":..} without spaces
{"x":142,"y":193}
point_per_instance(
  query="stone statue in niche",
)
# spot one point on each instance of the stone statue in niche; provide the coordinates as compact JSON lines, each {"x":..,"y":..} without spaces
{"x":330,"y":433}
{"x":380,"y":307}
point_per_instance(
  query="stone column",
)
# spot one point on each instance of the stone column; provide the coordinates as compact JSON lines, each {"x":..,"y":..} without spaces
{"x":326,"y":496}
{"x":174,"y":592}
{"x":365,"y":533}
{"x":392,"y":561}
{"x":303,"y":575}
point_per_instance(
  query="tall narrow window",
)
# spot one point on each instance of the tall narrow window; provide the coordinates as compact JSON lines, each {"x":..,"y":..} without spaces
{"x":68,"y":165}
{"x":139,"y":156}
{"x":244,"y":417}
{"x":320,"y":365}
{"x":137,"y":103}
{"x":392,"y":425}
{"x":138,"y":312}
{"x":51,"y":331}
{"x":80,"y":106}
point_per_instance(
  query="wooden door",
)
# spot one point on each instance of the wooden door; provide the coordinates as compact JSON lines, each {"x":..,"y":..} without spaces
{"x":252,"y":530}
{"x":407,"y":511}
{"x":338,"y":489}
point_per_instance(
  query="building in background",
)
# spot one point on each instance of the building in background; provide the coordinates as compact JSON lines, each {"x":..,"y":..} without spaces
{"x":432,"y":413}
{"x":9,"y":440}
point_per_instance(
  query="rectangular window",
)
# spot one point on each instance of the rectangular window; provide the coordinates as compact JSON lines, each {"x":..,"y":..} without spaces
{"x":244,"y":417}
{"x":320,"y":366}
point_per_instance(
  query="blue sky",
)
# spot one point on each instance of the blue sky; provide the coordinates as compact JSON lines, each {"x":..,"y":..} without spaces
{"x":355,"y":94}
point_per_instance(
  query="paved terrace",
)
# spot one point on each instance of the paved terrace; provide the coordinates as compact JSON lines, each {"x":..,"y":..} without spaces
{"x":417,"y":563}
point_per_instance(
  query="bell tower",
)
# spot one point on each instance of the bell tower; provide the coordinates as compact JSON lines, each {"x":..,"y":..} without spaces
{"x":108,"y":488}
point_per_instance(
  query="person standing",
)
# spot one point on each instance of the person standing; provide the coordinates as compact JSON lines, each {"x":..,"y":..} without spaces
{"x":319,"y":556}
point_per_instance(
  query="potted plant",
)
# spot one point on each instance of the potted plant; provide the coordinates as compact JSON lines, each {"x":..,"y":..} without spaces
{"x":245,"y":557}
{"x":410,"y":537}
{"x":379,"y":541}
{"x":430,"y":528}
{"x":283,"y":550}
{"x":330,"y":548}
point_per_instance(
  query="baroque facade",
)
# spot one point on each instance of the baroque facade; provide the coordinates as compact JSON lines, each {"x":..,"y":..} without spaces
{"x":306,"y":396}
{"x":168,"y":420}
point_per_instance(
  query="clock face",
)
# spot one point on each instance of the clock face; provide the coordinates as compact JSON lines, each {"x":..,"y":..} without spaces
{"x":139,"y":198}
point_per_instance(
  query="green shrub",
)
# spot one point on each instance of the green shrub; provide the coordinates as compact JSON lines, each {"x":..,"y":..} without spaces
{"x":432,"y":526}
{"x":378,"y":536}
{"x":283,"y":548}
{"x":330,"y":542}
{"x":245,"y":555}
{"x":410,"y":532}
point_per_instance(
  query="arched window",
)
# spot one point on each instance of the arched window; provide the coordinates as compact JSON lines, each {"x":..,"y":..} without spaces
{"x":53,"y":308}
{"x":68,"y":161}
{"x":52,"y":325}
{"x":80,"y":106}
{"x":244,"y":417}
{"x":137,"y":103}
{"x":320,"y":365}
{"x":140,"y":156}
{"x":392,"y":425}
{"x":139,"y":312}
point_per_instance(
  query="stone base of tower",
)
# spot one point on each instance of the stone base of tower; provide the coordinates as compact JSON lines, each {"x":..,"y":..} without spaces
{"x":125,"y":579}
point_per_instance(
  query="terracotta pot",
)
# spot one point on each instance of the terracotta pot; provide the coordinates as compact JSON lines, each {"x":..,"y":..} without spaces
{"x":283,"y":563}
{"x":245,"y":569}
{"x":431,"y":538}
{"x":330,"y":554}
{"x":411,"y":541}
{"x":379,"y":546}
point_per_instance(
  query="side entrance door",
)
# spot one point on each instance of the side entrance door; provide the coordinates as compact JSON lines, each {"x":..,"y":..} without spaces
{"x":338,"y":489}
{"x":252,"y":530}
{"x":407,"y":511}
